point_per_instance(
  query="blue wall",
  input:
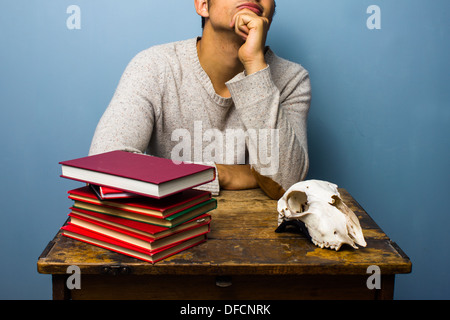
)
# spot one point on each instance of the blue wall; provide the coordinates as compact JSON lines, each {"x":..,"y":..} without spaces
{"x":379,"y":122}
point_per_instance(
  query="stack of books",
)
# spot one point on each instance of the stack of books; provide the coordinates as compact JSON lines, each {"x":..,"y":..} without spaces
{"x":138,"y":205}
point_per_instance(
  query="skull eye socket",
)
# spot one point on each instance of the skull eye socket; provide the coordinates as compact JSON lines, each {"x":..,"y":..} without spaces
{"x":297,"y":202}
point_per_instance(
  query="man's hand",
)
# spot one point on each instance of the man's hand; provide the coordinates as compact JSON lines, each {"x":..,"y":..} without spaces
{"x":253,"y":30}
{"x":236,"y":177}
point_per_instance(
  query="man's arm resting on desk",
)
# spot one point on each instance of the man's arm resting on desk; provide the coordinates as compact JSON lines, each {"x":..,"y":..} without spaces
{"x":236,"y":177}
{"x":241,"y":177}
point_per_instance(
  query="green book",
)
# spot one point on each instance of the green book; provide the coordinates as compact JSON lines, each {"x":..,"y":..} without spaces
{"x":168,"y":222}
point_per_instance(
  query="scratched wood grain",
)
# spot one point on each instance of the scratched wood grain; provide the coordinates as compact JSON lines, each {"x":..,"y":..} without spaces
{"x":242,"y":241}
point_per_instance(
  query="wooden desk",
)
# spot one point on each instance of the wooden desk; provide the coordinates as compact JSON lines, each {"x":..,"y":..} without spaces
{"x":243,"y":259}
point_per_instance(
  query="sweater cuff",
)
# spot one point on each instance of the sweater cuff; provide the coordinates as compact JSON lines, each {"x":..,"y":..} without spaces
{"x":212,"y":186}
{"x":246,"y":90}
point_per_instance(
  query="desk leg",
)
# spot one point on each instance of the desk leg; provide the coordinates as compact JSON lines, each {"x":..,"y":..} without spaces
{"x":60,"y":290}
{"x":387,"y":288}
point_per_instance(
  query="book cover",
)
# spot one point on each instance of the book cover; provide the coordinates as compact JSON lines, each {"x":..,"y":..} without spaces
{"x":139,"y":240}
{"x":122,"y":247}
{"x":104,"y":193}
{"x":136,"y":228}
{"x":161,"y":208}
{"x":169,"y":222}
{"x":137,"y":173}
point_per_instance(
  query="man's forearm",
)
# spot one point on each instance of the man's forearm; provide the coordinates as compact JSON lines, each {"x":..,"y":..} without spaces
{"x":278,"y":120}
{"x":236,"y":177}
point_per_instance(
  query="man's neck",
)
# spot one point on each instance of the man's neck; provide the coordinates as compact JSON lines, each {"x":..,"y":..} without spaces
{"x":218,"y":56}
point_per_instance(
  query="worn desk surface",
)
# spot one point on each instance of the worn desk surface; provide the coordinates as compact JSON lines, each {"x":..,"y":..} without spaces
{"x":242,"y":243}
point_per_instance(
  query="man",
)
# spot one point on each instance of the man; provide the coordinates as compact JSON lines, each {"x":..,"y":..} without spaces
{"x":197,"y":96}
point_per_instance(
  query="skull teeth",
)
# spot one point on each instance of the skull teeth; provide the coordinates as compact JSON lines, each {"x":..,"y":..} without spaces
{"x":325,"y":245}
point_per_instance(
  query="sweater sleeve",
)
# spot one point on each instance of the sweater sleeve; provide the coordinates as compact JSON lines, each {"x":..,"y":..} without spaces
{"x":276,"y":122}
{"x":127,"y":123}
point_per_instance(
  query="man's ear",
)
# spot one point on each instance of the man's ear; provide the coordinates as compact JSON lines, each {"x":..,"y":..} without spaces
{"x":201,"y":6}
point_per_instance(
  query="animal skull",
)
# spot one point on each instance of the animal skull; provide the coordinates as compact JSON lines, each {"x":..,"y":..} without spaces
{"x":329,"y":222}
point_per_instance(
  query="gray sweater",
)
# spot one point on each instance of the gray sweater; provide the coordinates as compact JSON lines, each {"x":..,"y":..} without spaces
{"x":165,"y":105}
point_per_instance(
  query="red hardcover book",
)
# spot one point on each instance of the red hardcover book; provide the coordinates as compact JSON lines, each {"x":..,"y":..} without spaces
{"x":161,"y":208}
{"x":169,"y":222}
{"x":128,"y":249}
{"x":137,"y":173}
{"x":145,"y":242}
{"x":135,"y":228}
{"x":105,"y":193}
